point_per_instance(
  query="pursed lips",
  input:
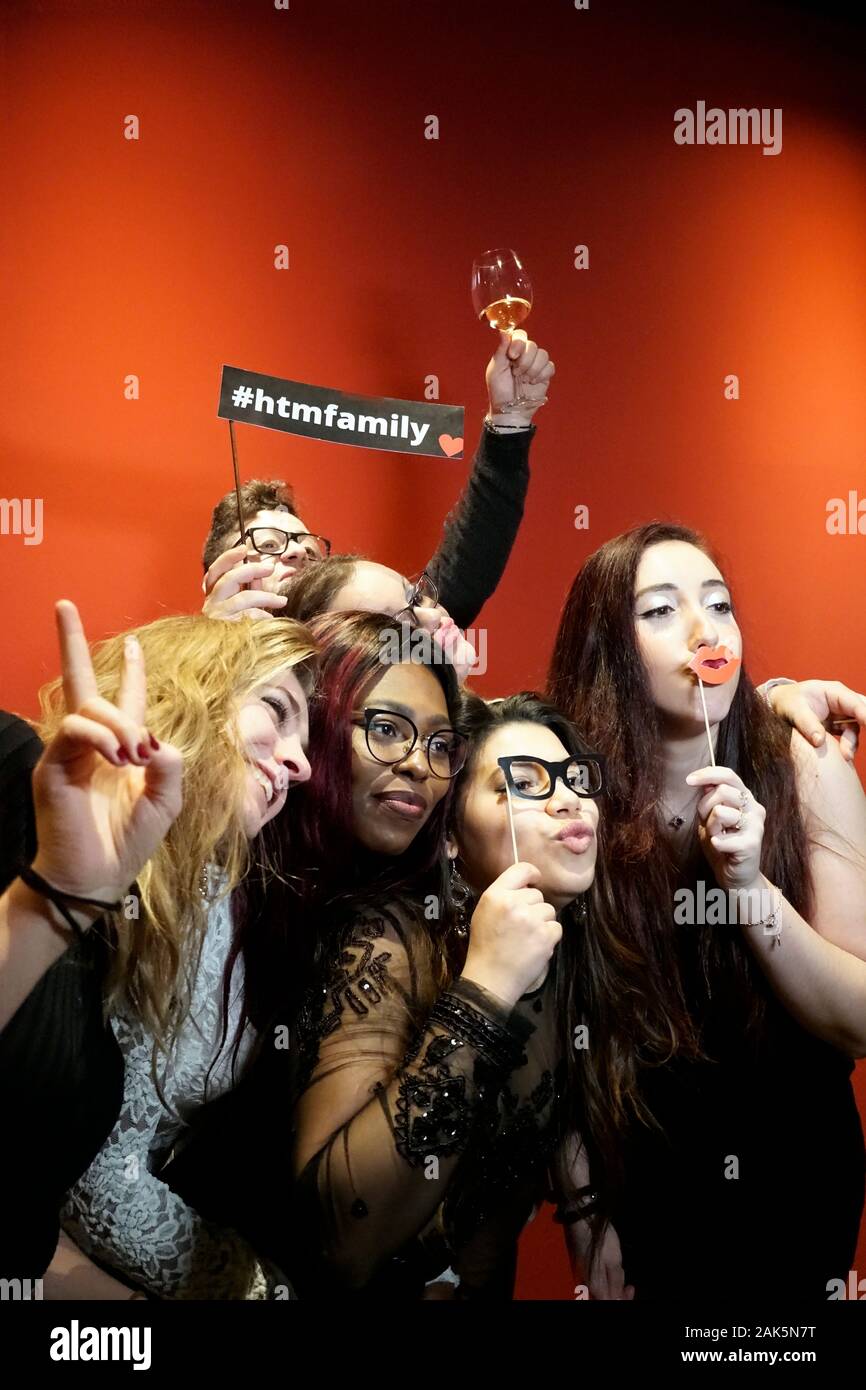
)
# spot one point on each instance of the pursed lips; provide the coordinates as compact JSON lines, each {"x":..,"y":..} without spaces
{"x":576,"y":835}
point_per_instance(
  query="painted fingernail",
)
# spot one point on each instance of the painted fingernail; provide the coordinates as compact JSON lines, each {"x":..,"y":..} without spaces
{"x":154,"y":743}
{"x":143,"y":751}
{"x":122,"y":755}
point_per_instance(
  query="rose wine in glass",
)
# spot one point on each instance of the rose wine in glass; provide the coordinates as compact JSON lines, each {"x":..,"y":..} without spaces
{"x":501,"y":291}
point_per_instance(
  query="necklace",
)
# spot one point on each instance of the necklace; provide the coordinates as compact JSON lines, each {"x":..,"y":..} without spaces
{"x":675,"y":820}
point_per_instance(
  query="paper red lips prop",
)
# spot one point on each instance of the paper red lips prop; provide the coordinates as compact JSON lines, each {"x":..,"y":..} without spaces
{"x":714,"y":665}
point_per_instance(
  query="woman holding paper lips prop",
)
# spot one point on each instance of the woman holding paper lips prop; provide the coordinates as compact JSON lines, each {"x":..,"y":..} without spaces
{"x":737,"y":862}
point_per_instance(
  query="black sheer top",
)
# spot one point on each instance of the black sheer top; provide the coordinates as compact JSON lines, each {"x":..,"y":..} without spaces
{"x":425,"y":1121}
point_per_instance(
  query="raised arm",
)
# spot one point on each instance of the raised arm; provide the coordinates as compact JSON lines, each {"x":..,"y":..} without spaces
{"x":479,"y":533}
{"x":104,"y":796}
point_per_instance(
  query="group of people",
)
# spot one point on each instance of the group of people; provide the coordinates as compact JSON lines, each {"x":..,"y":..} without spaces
{"x":319,"y":973}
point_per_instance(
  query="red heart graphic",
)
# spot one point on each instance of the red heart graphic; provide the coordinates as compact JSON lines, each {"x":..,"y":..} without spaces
{"x":450,"y":446}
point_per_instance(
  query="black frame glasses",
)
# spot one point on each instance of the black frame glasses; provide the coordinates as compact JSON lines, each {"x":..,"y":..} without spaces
{"x":555,"y":771}
{"x":460,"y":745}
{"x":424,"y":593}
{"x":296,"y":536}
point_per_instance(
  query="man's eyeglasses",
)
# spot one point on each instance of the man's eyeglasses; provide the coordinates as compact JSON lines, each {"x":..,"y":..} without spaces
{"x":391,"y":738}
{"x":535,"y":778}
{"x":272,"y":540}
{"x":422,"y":593}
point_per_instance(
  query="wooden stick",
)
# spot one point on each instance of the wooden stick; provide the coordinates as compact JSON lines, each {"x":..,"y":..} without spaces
{"x":706,"y":721}
{"x":511,"y":822}
{"x":238,"y":488}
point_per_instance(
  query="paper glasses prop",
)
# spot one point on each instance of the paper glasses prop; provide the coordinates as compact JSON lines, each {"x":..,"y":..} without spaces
{"x":534,"y":779}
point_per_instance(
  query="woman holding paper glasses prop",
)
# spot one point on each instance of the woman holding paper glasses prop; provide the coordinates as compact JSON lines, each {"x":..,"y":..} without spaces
{"x":740,"y":891}
{"x":429,"y":1066}
{"x":128,"y":908}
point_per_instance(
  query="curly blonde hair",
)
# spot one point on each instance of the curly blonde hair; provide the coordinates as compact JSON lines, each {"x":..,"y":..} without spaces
{"x":199,"y":672}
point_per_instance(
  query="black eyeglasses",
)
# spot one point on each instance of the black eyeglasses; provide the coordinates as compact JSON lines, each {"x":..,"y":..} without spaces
{"x":272,"y":540}
{"x":423,"y":593}
{"x":535,"y":778}
{"x":391,"y":738}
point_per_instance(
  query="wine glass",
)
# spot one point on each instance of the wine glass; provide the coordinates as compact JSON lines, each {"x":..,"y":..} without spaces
{"x":501,"y":289}
{"x":502,"y":294}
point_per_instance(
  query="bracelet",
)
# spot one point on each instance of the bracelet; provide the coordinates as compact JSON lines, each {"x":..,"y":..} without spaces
{"x":569,"y":1216}
{"x":504,"y":406}
{"x":774,"y":930}
{"x":56,"y":896}
{"x":499,"y":1047}
{"x":501,"y":429}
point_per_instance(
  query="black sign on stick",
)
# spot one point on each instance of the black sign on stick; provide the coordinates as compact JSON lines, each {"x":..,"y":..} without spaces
{"x":318,"y":412}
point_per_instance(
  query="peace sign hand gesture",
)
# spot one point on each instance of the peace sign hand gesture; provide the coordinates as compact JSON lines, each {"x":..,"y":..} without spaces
{"x":105,"y":792}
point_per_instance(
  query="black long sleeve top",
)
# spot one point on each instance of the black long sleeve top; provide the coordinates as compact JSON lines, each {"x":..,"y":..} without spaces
{"x":479,"y":533}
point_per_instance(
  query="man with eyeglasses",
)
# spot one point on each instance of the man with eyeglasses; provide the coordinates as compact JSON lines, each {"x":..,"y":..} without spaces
{"x":478,"y":534}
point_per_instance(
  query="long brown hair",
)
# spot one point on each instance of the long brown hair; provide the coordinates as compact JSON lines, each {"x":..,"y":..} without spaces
{"x":598,"y":678}
{"x":313,"y":591}
{"x":594,"y":970}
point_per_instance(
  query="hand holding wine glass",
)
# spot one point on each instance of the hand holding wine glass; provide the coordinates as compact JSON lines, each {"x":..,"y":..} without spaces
{"x":518,"y":376}
{"x":519,"y":371}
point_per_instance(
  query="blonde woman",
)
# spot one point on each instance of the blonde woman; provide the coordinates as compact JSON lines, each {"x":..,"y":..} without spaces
{"x":227,"y":702}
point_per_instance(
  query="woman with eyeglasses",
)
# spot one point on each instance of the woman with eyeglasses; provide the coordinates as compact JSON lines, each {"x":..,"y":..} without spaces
{"x":429,"y":1052}
{"x":346,"y":583}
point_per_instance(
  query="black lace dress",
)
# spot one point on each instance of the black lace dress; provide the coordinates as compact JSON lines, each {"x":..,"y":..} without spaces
{"x":424,"y":1125}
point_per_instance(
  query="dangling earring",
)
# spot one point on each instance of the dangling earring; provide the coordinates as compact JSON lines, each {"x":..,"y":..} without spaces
{"x":461,"y":895}
{"x":582,"y":910}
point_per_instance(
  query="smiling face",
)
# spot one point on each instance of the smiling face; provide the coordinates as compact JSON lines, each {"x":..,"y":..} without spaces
{"x":681,"y":605}
{"x":273,"y":732}
{"x":391,"y":803}
{"x":557,"y":835}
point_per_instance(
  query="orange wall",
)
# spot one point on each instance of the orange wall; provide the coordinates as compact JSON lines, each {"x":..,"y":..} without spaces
{"x":305,"y":127}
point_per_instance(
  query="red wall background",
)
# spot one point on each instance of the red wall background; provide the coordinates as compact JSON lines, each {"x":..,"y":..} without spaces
{"x":306,"y":127}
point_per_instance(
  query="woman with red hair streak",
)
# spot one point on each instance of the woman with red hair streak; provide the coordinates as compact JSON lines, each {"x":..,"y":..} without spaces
{"x":427,"y":1043}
